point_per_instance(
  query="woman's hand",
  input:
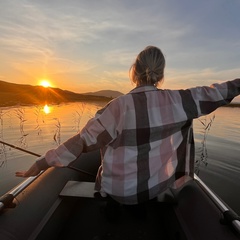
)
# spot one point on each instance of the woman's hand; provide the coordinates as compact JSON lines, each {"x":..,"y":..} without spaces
{"x":32,"y":171}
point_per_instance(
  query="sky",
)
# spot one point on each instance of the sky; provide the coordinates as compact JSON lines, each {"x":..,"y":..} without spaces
{"x":89,"y":45}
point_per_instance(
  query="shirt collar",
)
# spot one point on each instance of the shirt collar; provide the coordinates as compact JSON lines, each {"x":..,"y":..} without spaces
{"x":144,"y":88}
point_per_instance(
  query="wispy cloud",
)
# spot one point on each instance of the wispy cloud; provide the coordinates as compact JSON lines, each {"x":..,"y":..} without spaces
{"x":99,"y":40}
{"x":190,"y":78}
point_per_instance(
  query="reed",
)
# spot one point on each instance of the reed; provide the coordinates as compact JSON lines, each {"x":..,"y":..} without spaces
{"x":202,"y":152}
{"x":1,"y":124}
{"x":57,"y":134}
{"x":39,"y":119}
{"x":20,"y":114}
{"x":2,"y":146}
{"x":3,"y":151}
{"x":77,"y":116}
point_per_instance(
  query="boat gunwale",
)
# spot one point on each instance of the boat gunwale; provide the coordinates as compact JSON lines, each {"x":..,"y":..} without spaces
{"x":222,"y":206}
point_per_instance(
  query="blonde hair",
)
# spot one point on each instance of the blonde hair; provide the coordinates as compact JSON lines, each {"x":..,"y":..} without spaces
{"x":148,"y":68}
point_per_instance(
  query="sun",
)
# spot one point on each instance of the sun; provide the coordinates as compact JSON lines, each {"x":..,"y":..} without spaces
{"x":45,"y":83}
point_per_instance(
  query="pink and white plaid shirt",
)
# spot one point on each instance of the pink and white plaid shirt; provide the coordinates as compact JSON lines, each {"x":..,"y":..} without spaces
{"x":145,"y":137}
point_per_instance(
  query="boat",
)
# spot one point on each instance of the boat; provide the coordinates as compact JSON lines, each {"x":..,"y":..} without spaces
{"x":60,"y":203}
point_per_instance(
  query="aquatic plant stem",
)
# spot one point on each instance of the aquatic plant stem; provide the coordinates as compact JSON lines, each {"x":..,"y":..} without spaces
{"x":38,"y":155}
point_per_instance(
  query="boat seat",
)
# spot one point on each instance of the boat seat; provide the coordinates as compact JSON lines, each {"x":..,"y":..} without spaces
{"x":78,"y":189}
{"x":86,"y":190}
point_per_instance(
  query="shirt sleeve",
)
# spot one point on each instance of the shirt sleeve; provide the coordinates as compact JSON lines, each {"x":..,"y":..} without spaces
{"x":98,"y":132}
{"x":204,"y":100}
{"x":103,"y":128}
{"x":63,"y":155}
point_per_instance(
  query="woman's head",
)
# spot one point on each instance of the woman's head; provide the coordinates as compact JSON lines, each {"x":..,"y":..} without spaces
{"x":148,"y":68}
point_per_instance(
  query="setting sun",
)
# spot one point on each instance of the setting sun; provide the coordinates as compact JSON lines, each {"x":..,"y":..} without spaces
{"x":45,"y":83}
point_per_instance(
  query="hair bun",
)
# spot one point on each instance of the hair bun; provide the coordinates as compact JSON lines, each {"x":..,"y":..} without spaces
{"x":152,"y":77}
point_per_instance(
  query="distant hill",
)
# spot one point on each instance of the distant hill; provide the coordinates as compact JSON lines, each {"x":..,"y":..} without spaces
{"x":22,"y":94}
{"x":105,"y":93}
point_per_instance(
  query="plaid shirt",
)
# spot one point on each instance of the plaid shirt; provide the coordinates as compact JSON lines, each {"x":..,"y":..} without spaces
{"x":145,"y":137}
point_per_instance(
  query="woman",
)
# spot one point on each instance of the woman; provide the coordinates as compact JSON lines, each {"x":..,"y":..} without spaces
{"x":145,"y":136}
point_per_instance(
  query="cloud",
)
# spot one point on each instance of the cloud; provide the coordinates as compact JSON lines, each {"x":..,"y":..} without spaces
{"x":176,"y":79}
{"x":87,"y":39}
{"x":122,"y":57}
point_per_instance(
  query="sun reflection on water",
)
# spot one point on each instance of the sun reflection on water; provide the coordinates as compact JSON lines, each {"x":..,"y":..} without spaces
{"x":46,"y":109}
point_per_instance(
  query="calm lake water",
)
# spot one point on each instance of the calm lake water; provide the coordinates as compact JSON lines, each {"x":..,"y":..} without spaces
{"x":39,"y":128}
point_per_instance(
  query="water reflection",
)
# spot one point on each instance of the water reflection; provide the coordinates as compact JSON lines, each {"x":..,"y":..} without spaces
{"x":47,"y":109}
{"x":39,"y":128}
